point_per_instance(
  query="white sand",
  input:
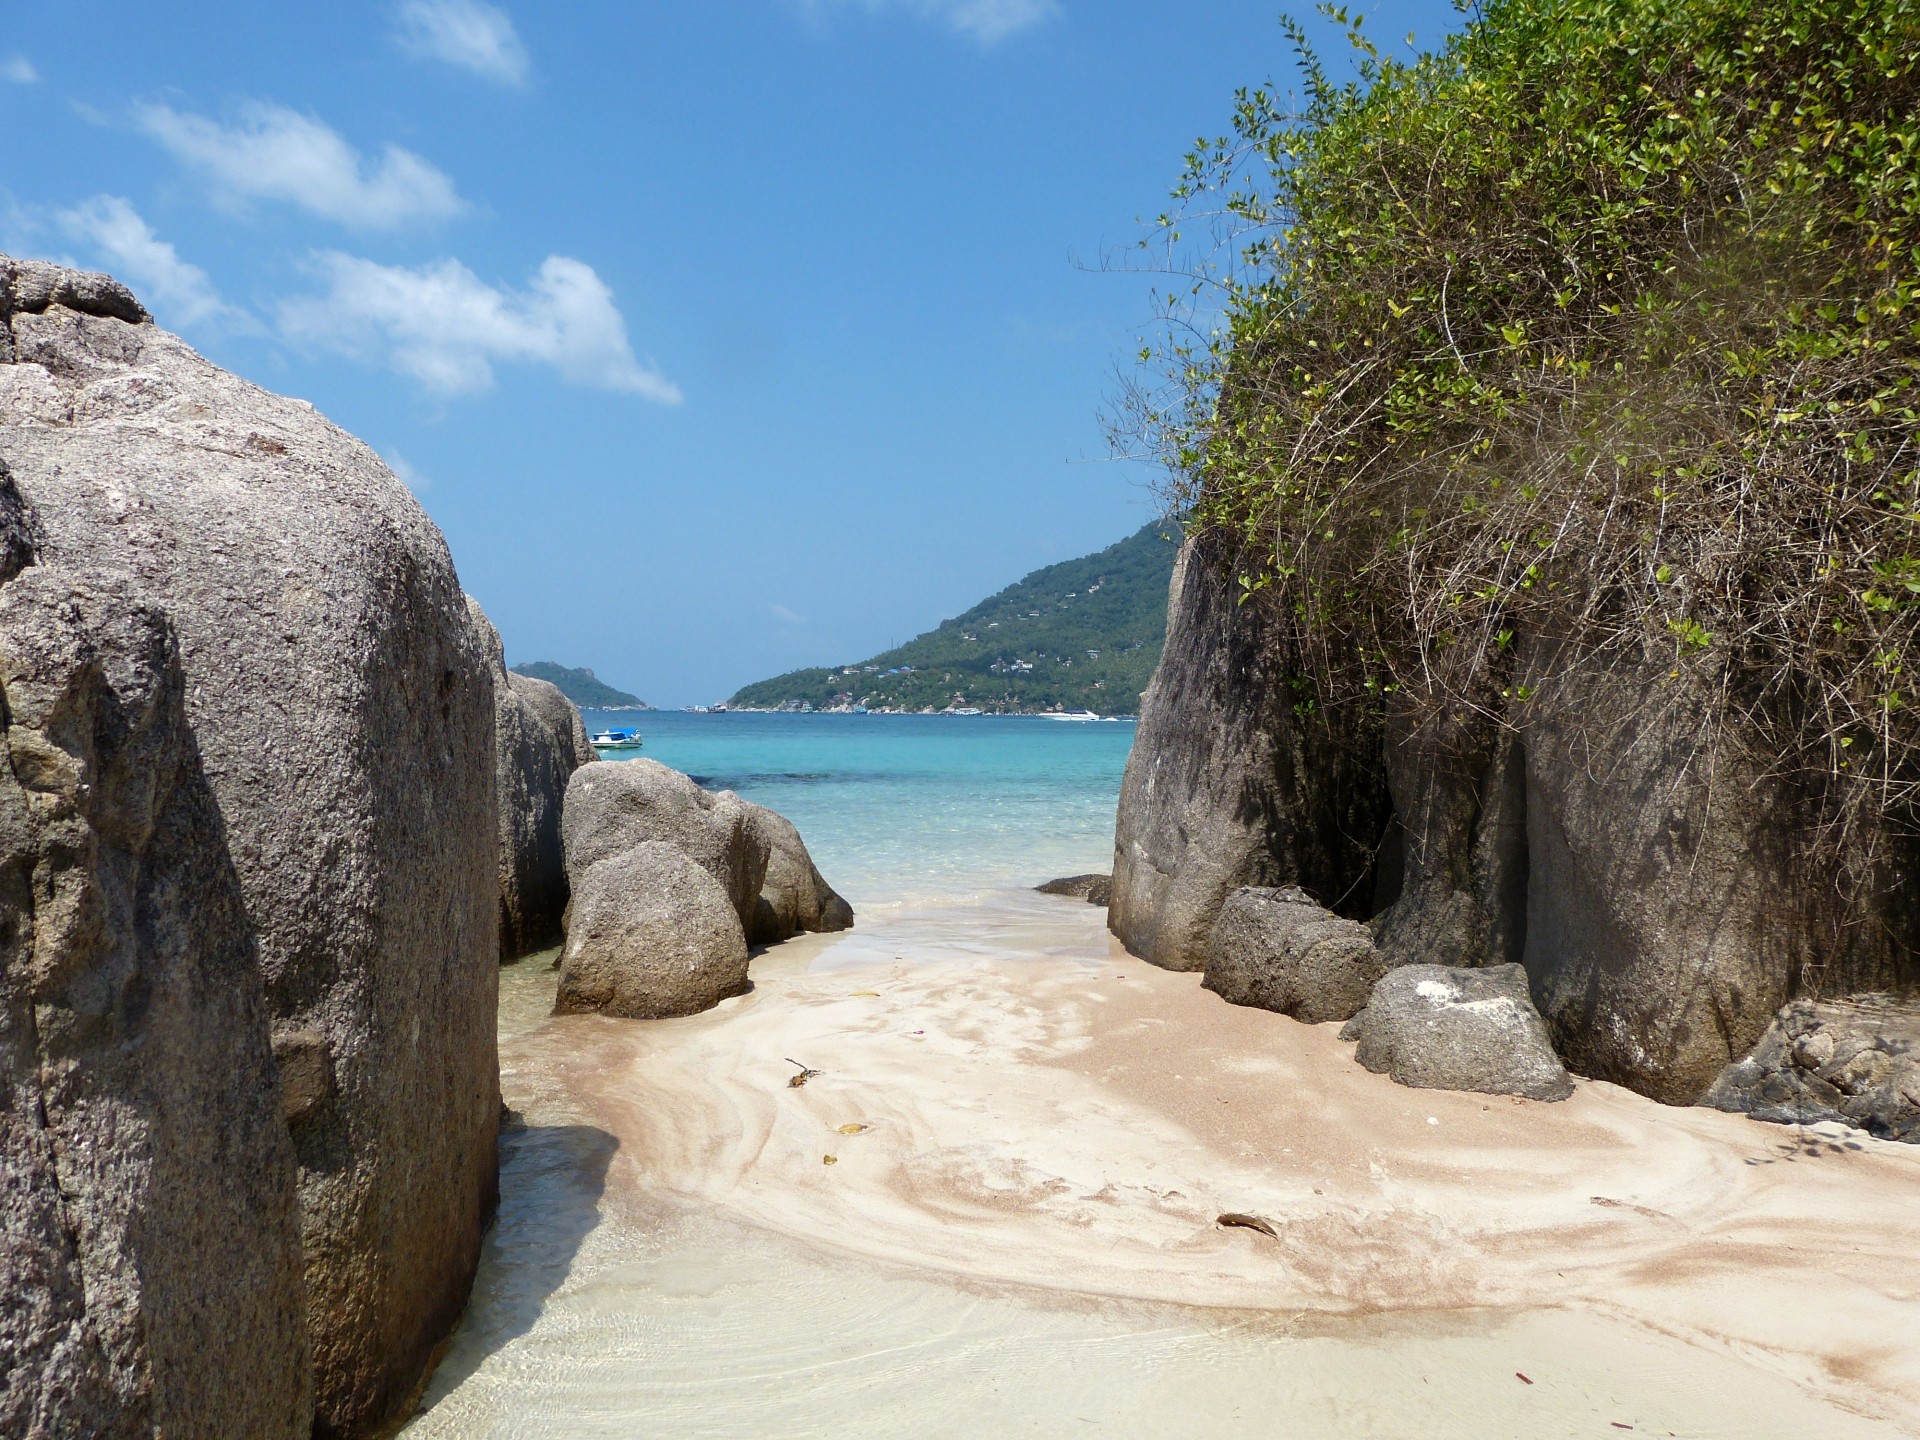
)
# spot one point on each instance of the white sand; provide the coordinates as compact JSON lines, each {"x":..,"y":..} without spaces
{"x":1048,"y":1117}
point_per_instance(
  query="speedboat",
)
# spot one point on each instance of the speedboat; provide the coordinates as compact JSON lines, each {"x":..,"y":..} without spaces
{"x":1068,"y":715}
{"x":615,"y":739}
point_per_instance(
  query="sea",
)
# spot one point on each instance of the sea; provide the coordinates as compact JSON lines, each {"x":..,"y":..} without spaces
{"x":902,"y":809}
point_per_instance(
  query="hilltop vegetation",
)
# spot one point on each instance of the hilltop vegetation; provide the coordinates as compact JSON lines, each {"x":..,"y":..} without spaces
{"x":582,"y":686}
{"x":1084,"y":634}
{"x":1603,"y":323}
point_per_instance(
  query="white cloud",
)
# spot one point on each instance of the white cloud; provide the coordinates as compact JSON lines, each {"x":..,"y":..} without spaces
{"x":19,"y":70}
{"x":786,"y":616}
{"x":272,"y":153}
{"x":445,"y":327}
{"x":178,"y":293}
{"x":468,"y":33}
{"x":987,"y":21}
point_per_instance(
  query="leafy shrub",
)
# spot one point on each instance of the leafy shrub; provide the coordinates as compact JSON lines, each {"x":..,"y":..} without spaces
{"x":1600,"y":321}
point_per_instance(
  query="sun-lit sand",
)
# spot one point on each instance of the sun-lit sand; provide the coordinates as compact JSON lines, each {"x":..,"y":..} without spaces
{"x":1021,"y":1138}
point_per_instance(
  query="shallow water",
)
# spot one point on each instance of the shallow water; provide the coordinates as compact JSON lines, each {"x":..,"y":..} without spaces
{"x":904,"y":808}
{"x":607,"y":1305}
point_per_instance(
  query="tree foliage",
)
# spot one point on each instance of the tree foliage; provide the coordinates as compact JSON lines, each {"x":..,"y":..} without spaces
{"x":1598,"y":321}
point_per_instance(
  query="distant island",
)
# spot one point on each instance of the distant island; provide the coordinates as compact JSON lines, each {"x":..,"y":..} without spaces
{"x":582,"y":686}
{"x":1081,"y":635}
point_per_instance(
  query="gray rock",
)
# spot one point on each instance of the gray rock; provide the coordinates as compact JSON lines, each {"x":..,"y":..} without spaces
{"x":343,"y":712}
{"x":539,"y":741}
{"x":149,"y":1228}
{"x":1854,"y":1061}
{"x":1436,"y":1027}
{"x":793,"y":896}
{"x":1667,"y":914}
{"x":1094,"y":889}
{"x":1227,"y":786}
{"x":1280,"y":949}
{"x":654,"y":935}
{"x":33,"y":287}
{"x":614,"y":805}
{"x":1458,"y":891}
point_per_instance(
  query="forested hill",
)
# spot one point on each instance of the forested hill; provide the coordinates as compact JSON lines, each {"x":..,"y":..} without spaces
{"x":1083,"y":634}
{"x":582,"y":686}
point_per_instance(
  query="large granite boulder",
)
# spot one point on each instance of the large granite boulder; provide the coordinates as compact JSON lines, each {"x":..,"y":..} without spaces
{"x":1436,"y":1027}
{"x":539,"y":741}
{"x":150,"y":1257}
{"x":1609,"y":822}
{"x":342,"y":708}
{"x":1280,"y":949}
{"x":1232,"y":781}
{"x":614,"y":805}
{"x":793,"y":896}
{"x":653,"y":935}
{"x":1854,"y":1061}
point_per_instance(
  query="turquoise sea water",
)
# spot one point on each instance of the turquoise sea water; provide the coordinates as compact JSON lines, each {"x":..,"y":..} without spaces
{"x":911,"y":808}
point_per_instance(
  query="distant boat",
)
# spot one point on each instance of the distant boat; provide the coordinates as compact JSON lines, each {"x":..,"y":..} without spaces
{"x":967,"y":710}
{"x":615,"y":739}
{"x":1068,"y":715}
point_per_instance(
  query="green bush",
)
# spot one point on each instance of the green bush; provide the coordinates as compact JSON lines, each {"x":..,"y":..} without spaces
{"x":1599,"y":321}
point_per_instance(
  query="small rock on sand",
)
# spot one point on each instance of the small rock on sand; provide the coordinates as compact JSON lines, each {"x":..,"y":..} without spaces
{"x":1439,"y":1027}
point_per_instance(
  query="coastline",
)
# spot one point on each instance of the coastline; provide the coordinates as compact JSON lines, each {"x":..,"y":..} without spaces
{"x":1050,"y":1117}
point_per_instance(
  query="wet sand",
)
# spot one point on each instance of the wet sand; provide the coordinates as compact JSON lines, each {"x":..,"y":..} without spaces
{"x":1021,"y":1236}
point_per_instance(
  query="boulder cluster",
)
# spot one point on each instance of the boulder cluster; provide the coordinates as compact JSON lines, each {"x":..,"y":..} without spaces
{"x":1596,"y":881}
{"x":249,"y":898}
{"x":272,"y":811}
{"x":671,"y":883}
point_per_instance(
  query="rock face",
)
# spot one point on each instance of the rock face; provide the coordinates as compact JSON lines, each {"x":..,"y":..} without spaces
{"x":1857,"y":1062}
{"x":793,"y":896}
{"x":653,"y":935}
{"x":1226,"y":786}
{"x":1094,"y":889}
{"x":342,"y":710}
{"x":539,"y":741}
{"x":1280,"y":949}
{"x":1666,"y":917}
{"x":149,"y":1232}
{"x":614,"y":805}
{"x":1605,"y":832}
{"x":1437,"y":1027}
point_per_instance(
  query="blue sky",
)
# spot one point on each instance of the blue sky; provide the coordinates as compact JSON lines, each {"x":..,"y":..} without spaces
{"x":720,"y":338}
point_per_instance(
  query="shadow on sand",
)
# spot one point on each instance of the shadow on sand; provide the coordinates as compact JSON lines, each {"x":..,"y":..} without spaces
{"x":551,"y":1181}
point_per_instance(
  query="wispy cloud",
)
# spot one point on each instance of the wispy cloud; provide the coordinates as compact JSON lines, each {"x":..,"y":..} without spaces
{"x":178,"y":293}
{"x":19,"y":70}
{"x":987,"y":21}
{"x":468,"y":33}
{"x":786,"y":616}
{"x":269,"y":152}
{"x":445,"y":327}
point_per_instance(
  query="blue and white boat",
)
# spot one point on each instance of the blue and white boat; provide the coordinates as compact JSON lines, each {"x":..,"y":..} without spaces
{"x":615,"y":739}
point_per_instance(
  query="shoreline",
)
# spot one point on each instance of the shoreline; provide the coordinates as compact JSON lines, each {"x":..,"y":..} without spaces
{"x":1052,"y":1119}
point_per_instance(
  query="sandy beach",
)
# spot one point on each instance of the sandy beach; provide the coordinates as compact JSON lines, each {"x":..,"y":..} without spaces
{"x":1007,"y":1104}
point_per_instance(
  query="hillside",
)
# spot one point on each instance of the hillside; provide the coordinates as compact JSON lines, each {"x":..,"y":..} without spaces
{"x":581,"y":686}
{"x":1083,"y":634}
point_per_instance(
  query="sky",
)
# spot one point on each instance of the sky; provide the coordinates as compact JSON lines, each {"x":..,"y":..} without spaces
{"x":719,"y":338}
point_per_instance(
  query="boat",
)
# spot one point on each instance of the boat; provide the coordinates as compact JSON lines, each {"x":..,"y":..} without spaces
{"x":967,"y":710}
{"x":615,"y":739}
{"x":1068,"y":715}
